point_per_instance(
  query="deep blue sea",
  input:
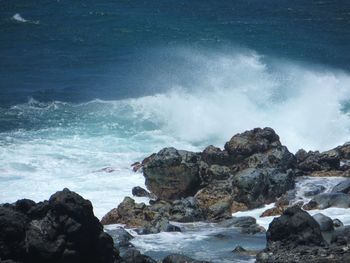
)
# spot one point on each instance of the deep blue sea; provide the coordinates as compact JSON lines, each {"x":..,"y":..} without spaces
{"x":89,"y":87}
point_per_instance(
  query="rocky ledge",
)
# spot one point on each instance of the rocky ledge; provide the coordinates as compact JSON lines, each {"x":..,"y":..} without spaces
{"x":253,"y":169}
{"x":62,"y":230}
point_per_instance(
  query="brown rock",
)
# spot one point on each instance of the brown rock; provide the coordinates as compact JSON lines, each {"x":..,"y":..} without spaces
{"x":216,"y":201}
{"x":129,"y":213}
{"x":331,"y":173}
{"x":236,"y":207}
{"x":275,"y":211}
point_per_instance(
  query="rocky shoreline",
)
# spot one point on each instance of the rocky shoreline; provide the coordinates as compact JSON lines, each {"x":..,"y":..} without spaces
{"x":253,"y":169}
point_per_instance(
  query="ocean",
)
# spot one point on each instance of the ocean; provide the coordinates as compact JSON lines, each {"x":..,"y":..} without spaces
{"x":89,"y":87}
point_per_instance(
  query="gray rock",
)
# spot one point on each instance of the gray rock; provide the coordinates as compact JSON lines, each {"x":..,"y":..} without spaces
{"x":342,"y":187}
{"x":326,"y":200}
{"x":316,"y":161}
{"x":255,"y":187}
{"x":337,"y":223}
{"x":121,"y":237}
{"x":186,"y":210}
{"x":325,"y":222}
{"x":171,"y":174}
{"x":140,"y":192}
{"x":213,"y":155}
{"x":277,"y":157}
{"x":313,"y":189}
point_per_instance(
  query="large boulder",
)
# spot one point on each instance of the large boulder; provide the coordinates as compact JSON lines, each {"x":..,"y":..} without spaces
{"x":251,"y":142}
{"x":295,"y":227}
{"x":316,"y":161}
{"x":255,"y":187}
{"x":259,"y":148}
{"x":296,"y":237}
{"x":172,"y":174}
{"x":63,"y":229}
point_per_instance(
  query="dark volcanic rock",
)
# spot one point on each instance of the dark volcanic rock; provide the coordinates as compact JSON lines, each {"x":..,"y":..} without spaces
{"x":140,"y":192}
{"x":296,"y":237}
{"x":64,"y":229}
{"x":213,"y":155}
{"x":12,"y":233}
{"x":176,"y":258}
{"x":186,"y":210}
{"x":134,"y":256}
{"x":295,"y":227}
{"x":250,"y":142}
{"x":121,"y":237}
{"x":325,"y":222}
{"x":316,"y":161}
{"x":255,"y":187}
{"x":171,"y":174}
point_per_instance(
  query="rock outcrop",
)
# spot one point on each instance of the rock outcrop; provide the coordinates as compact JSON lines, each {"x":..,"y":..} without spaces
{"x":63,"y":229}
{"x":254,"y":169}
{"x":171,"y":174}
{"x":334,"y":162}
{"x":296,"y":237}
{"x":255,"y":187}
{"x":140,"y":216}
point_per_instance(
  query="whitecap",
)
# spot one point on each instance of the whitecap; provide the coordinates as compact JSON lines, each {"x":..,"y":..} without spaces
{"x":19,"y":18}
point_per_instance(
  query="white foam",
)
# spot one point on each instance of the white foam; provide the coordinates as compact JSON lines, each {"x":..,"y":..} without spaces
{"x":19,"y":18}
{"x":230,"y":93}
{"x":262,"y":221}
{"x":226,"y":93}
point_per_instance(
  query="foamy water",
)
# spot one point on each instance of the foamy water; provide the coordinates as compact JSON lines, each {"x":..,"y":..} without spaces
{"x":58,"y":144}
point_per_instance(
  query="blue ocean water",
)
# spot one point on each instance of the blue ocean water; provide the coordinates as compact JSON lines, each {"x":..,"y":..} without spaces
{"x":82,"y":50}
{"x":89,"y":87}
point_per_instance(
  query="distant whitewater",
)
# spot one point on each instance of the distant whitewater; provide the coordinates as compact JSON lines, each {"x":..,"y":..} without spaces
{"x":89,"y":147}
